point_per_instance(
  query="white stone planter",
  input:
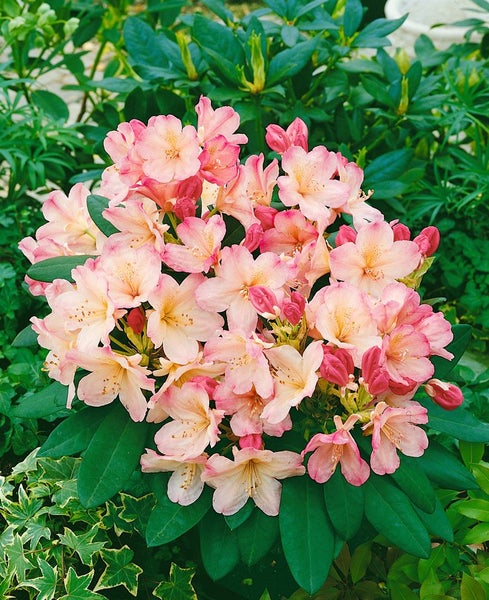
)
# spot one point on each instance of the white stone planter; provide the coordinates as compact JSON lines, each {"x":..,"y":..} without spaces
{"x":423,"y":14}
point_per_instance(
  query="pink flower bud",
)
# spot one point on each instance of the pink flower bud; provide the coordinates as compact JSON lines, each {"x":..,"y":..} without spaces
{"x":293,"y":309}
{"x":252,"y":440}
{"x":263,"y":299}
{"x":337,"y":365}
{"x":345,"y":234}
{"x":208,"y":383}
{"x":428,"y":240}
{"x":446,"y":395}
{"x":266,"y":215}
{"x":253,"y":237}
{"x":401,"y":232}
{"x":373,"y":373}
{"x":298,"y":133}
{"x":277,"y":139}
{"x":136,"y":319}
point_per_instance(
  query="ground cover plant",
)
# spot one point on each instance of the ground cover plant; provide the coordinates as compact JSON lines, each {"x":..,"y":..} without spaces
{"x":418,"y":158}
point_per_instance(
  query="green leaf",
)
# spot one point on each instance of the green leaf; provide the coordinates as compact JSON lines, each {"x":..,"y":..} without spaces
{"x":289,"y":62}
{"x":218,"y":545}
{"x":74,"y":433}
{"x":344,"y":504}
{"x":459,"y":423}
{"x":352,"y":17}
{"x":374,"y":35}
{"x":137,"y":510}
{"x":234,"y":521}
{"x":472,"y":452}
{"x":77,"y":587}
{"x":481,"y":474}
{"x":477,"y":508}
{"x":437,"y":522}
{"x":142,"y":43}
{"x":59,"y":267}
{"x":82,"y":543}
{"x":120,"y":570}
{"x":479,"y":534}
{"x":217,"y":40}
{"x":400,"y":591}
{"x":389,"y":510}
{"x":169,"y":520}
{"x":360,"y":561}
{"x":51,"y":104}
{"x":435,"y":560}
{"x":388,"y":166}
{"x":178,"y":587}
{"x":307,"y":535}
{"x":96,"y":205}
{"x":461,"y":337}
{"x":414,"y":483}
{"x":25,"y":338}
{"x":256,"y":537}
{"x":46,"y":584}
{"x":471,"y":589}
{"x":443,"y":468}
{"x":111,"y":457}
{"x":17,"y":562}
{"x":49,"y":401}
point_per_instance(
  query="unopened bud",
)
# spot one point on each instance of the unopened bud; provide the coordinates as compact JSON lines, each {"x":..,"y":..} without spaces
{"x":446,"y":395}
{"x":136,"y":319}
{"x":428,"y":240}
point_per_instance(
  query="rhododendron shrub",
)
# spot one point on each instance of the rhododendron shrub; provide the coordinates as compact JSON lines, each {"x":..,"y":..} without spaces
{"x":240,"y":326}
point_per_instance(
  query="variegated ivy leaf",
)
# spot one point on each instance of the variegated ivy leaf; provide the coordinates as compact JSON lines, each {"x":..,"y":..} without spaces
{"x":115,"y":519}
{"x":77,"y":587}
{"x":27,"y":465}
{"x":34,"y":532}
{"x":6,"y":489}
{"x":46,"y":584}
{"x":16,"y":559}
{"x":119,"y":570}
{"x":137,"y":510}
{"x":82,"y":544}
{"x":179,"y":586}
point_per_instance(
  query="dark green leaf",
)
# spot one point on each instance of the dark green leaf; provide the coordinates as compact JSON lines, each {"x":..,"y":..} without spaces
{"x":377,"y":89}
{"x":218,"y":545}
{"x":217,"y":39}
{"x":170,"y":520}
{"x":234,"y":521}
{"x":256,"y":537}
{"x":179,"y":586}
{"x":74,"y":433}
{"x":414,"y":483}
{"x":445,"y":469}
{"x":390,"y":511}
{"x":437,"y":522}
{"x":47,"y":402}
{"x":54,"y":106}
{"x":143,"y":44}
{"x":352,"y":17}
{"x":119,"y":570}
{"x":459,"y":423}
{"x":308,"y":540}
{"x":219,"y":9}
{"x":289,"y":62}
{"x":374,"y":34}
{"x":111,"y":457}
{"x":388,"y":166}
{"x":461,"y":338}
{"x":25,"y":338}
{"x":59,"y":267}
{"x":96,"y":205}
{"x":344,"y":504}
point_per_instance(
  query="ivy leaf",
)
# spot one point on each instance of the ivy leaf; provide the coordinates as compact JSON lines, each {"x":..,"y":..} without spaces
{"x":46,"y":584}
{"x":17,"y":561}
{"x":137,"y":510}
{"x":82,"y":543}
{"x":179,"y":586}
{"x":77,"y":587}
{"x":119,"y":570}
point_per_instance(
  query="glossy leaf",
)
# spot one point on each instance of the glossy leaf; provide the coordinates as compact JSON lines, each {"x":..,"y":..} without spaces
{"x":25,"y":338}
{"x":256,"y":537}
{"x":178,"y":587}
{"x":410,"y":478}
{"x":59,"y":267}
{"x":437,"y":522}
{"x":234,"y":521}
{"x":471,"y":589}
{"x":111,"y":457}
{"x":74,"y":433}
{"x":445,"y":469}
{"x":307,"y":535}
{"x":344,"y":504}
{"x":48,"y":402}
{"x":290,"y":61}
{"x":218,"y":545}
{"x":352,"y":17}
{"x":390,"y":511}
{"x":96,"y":205}
{"x":374,"y":35}
{"x":459,"y":423}
{"x":169,"y":520}
{"x":142,"y":43}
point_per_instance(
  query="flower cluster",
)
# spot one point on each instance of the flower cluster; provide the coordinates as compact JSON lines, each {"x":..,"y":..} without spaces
{"x":231,"y":307}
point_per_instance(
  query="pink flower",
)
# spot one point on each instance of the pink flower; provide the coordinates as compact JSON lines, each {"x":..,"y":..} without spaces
{"x":221,"y":121}
{"x":201,"y":245}
{"x":446,"y":395}
{"x":295,"y":378}
{"x":238,"y":272}
{"x":396,"y":429}
{"x":169,"y":151}
{"x":244,"y":360}
{"x":405,"y":353}
{"x":310,"y":183}
{"x":333,"y":448}
{"x":185,"y":484}
{"x":252,"y":474}
{"x":113,"y":375}
{"x":194,"y":425}
{"x":219,"y":160}
{"x":374,"y":260}
{"x":176,"y":322}
{"x":281,"y":140}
